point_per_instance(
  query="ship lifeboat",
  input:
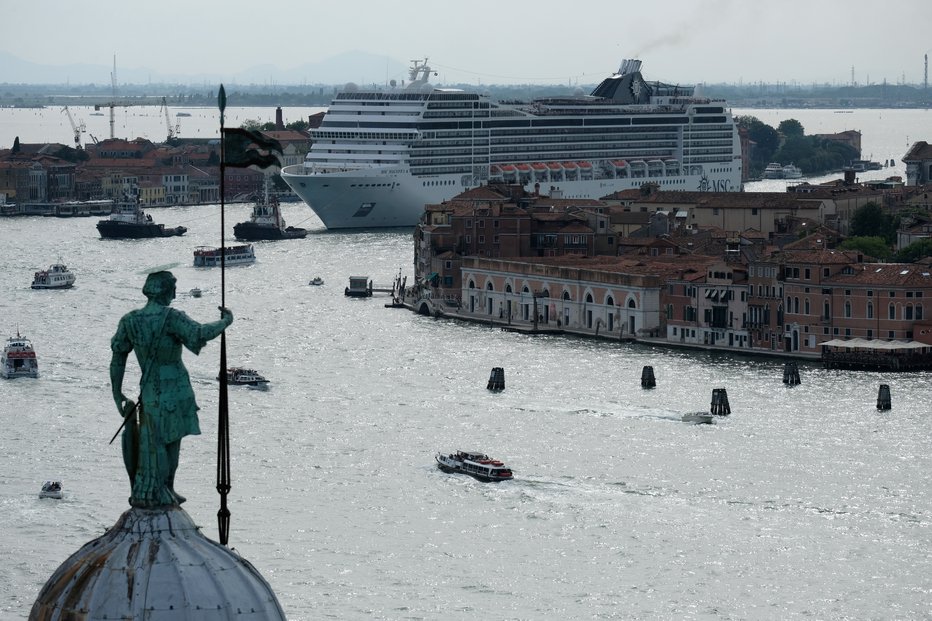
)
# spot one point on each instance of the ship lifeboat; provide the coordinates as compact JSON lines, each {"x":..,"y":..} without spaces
{"x":554,"y":166}
{"x":619,"y":163}
{"x":584,"y":165}
{"x":570,"y":165}
{"x":494,"y":170}
{"x":507,"y":168}
{"x":523,"y":167}
{"x":538,"y":167}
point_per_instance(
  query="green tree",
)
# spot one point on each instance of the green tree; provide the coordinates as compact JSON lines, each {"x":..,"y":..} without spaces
{"x":915,"y":251}
{"x":875,"y":247}
{"x":869,"y":220}
{"x":791,"y":128}
{"x":298,"y":126}
{"x":766,"y":141}
{"x":16,"y":148}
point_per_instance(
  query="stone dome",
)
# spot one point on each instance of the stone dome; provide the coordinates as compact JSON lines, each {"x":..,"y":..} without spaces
{"x":155,"y":564}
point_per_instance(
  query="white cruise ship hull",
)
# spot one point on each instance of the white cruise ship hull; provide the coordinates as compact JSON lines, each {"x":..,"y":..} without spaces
{"x":398,"y":199}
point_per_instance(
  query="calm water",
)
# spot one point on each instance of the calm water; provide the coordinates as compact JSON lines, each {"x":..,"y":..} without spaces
{"x":806,"y":503}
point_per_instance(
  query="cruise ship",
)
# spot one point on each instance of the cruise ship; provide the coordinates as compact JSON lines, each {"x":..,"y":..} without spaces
{"x":380,"y":156}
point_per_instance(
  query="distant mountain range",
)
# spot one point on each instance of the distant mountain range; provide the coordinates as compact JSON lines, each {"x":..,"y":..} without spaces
{"x":359,"y":67}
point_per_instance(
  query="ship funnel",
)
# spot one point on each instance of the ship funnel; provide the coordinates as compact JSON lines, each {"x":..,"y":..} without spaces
{"x":629,"y":65}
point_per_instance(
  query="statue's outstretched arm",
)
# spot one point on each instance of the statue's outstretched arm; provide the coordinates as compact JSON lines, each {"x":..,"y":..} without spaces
{"x":213,"y":329}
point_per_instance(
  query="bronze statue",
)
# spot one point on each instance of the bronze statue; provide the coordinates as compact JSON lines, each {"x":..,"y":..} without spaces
{"x":166,"y":410}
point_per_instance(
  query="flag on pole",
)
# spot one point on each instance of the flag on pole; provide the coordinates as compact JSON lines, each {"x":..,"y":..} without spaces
{"x":248,"y":149}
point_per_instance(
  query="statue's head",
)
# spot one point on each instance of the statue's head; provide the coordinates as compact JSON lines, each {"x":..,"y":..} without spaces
{"x":160,"y":287}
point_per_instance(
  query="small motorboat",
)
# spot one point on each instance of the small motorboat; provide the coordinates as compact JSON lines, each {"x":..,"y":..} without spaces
{"x":249,"y":378}
{"x":51,"y":489}
{"x":699,"y":418}
{"x":316,"y":281}
{"x":195,"y":292}
{"x":477,"y":465}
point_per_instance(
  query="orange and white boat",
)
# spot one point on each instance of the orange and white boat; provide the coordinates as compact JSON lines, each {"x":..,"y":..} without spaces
{"x":476,"y":464}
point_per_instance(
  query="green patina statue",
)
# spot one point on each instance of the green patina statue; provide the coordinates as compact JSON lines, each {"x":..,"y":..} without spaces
{"x":166,"y":411}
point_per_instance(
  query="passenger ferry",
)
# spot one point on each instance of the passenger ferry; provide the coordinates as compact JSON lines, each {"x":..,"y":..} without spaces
{"x":58,"y":276}
{"x":379,"y":156}
{"x":18,"y":359}
{"x":475,"y":464}
{"x":208,"y":256}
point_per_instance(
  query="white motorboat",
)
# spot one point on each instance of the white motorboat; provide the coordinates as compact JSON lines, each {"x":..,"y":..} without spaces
{"x":791,"y":171}
{"x":774,"y":170}
{"x":18,"y":359}
{"x":699,"y":418}
{"x":316,"y":281}
{"x":51,"y":489}
{"x":476,"y":464}
{"x":238,"y":376}
{"x":58,"y":276}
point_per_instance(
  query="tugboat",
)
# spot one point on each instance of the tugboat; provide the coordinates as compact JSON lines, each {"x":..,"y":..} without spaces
{"x":266,"y":222}
{"x":249,"y":378}
{"x":58,"y":276}
{"x":129,"y":221}
{"x":208,"y":256}
{"x":475,"y":464}
{"x":18,"y":359}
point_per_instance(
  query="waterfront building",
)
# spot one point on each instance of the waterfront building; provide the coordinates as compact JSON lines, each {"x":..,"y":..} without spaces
{"x":918,"y":162}
{"x":610,"y":297}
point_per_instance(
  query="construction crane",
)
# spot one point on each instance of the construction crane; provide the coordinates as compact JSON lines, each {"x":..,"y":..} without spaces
{"x":75,"y":127}
{"x":172,"y":131}
{"x":112,"y":104}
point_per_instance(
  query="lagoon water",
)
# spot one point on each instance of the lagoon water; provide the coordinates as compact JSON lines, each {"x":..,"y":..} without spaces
{"x":805,"y":503}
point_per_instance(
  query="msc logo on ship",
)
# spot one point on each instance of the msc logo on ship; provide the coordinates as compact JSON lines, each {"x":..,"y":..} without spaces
{"x":719,"y":185}
{"x":364,"y":210}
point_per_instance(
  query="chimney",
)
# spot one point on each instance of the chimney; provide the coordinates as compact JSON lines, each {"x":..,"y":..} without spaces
{"x":279,"y":123}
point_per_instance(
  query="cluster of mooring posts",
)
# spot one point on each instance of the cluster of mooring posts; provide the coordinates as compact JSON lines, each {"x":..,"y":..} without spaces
{"x":719,"y":405}
{"x":883,"y":397}
{"x":647,"y":378}
{"x":497,"y":379}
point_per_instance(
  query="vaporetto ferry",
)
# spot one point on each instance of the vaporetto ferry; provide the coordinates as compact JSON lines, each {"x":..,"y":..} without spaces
{"x":380,"y":156}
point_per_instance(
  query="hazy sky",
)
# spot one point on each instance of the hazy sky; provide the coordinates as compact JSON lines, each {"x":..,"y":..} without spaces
{"x":490,"y":41}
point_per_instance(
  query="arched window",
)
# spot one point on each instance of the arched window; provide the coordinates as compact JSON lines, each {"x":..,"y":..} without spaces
{"x":806,"y":305}
{"x":909,"y":311}
{"x":870,"y":310}
{"x":566,"y":295}
{"x":631,"y":303}
{"x":847,"y":309}
{"x":508,"y":288}
{"x":588,"y":298}
{"x":526,"y":290}
{"x":489,"y":287}
{"x":796,"y":305}
{"x":472,"y":284}
{"x":891,"y":312}
{"x":545,"y":293}
{"x":610,"y":301}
